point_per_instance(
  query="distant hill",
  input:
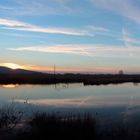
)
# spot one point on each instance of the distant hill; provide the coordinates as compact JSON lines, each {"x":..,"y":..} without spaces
{"x":6,"y":70}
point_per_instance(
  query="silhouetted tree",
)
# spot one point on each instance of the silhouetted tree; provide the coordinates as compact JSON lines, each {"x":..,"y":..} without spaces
{"x":121,"y":72}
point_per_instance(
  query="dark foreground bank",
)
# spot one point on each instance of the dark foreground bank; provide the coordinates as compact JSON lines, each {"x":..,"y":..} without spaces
{"x":86,"y":79}
{"x":44,"y":126}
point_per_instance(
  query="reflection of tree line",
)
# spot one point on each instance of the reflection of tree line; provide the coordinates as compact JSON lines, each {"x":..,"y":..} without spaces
{"x":61,"y":87}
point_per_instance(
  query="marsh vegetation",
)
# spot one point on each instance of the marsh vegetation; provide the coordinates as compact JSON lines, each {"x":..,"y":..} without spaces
{"x":43,"y":125}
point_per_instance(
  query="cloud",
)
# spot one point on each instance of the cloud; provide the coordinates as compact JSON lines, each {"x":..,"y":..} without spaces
{"x":92,"y":30}
{"x":67,"y":49}
{"x":13,"y":23}
{"x":98,"y":29}
{"x":37,"y":7}
{"x":130,"y":40}
{"x":23,"y":26}
{"x":127,"y":38}
{"x":91,"y":50}
{"x":66,"y":31}
{"x":125,"y":8}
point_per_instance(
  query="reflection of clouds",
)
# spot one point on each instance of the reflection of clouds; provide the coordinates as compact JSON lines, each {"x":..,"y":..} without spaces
{"x":132,"y":113}
{"x":84,"y":102}
{"x":131,"y":116}
{"x":132,"y":110}
{"x":53,"y":102}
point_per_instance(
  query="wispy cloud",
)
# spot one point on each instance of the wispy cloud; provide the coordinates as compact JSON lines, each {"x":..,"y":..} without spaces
{"x":98,"y":29}
{"x":125,"y":8}
{"x":130,"y":40}
{"x":66,"y":31}
{"x":93,"y":30}
{"x":37,"y":7}
{"x":67,"y":49}
{"x":127,"y":38}
{"x":91,"y":50}
{"x":13,"y":23}
{"x":23,"y":26}
{"x":18,"y":25}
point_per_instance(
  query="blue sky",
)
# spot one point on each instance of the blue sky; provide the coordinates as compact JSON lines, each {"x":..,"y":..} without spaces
{"x":77,"y":35}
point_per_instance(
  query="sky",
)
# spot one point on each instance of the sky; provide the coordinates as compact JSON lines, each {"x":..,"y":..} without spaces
{"x":99,"y":36}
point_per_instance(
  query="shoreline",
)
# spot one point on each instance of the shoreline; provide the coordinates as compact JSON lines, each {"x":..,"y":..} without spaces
{"x":86,"y":79}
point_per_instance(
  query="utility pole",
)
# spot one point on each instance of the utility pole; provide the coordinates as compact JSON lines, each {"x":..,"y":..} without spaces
{"x":55,"y":75}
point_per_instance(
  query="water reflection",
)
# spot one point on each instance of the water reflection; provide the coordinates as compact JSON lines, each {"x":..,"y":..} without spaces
{"x":85,"y":102}
{"x":9,"y":86}
{"x":110,"y":104}
{"x":109,"y":101}
{"x":15,"y":85}
{"x":136,"y":84}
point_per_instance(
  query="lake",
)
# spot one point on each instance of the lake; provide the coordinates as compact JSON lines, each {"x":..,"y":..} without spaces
{"x":113,"y":103}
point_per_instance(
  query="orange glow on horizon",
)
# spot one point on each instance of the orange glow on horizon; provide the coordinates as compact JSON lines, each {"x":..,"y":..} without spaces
{"x":58,"y":69}
{"x":74,"y":70}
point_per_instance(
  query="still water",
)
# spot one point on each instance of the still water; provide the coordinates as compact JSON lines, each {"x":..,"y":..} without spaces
{"x":111,"y":102}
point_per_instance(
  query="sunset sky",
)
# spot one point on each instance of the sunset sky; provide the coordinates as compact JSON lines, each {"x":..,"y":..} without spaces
{"x":100,"y":36}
